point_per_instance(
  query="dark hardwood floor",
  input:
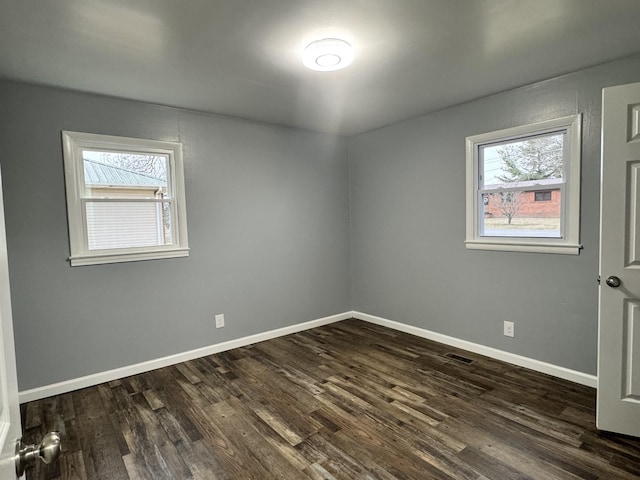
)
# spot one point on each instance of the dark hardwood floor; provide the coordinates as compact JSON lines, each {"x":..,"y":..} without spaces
{"x":346,"y":401}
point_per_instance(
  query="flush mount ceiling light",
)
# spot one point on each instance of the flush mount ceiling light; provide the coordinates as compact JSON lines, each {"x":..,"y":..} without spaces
{"x":327,"y":55}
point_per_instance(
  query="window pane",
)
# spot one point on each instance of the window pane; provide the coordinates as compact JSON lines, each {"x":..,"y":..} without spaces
{"x":522,"y":163}
{"x":543,"y":196}
{"x":128,"y":224}
{"x":124,"y":175}
{"x":518,"y":214}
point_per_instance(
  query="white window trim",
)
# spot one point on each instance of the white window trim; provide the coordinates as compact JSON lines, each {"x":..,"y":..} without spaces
{"x":73,"y":144}
{"x":570,"y":243}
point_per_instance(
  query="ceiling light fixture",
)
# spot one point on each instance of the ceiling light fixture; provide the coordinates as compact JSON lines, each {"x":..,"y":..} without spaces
{"x":327,"y":55}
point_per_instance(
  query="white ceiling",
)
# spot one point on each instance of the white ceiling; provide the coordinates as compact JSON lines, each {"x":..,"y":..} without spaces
{"x":242,"y":57}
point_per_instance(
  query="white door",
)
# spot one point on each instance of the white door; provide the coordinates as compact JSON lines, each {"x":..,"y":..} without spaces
{"x":618,"y":406}
{"x":10,"y":428}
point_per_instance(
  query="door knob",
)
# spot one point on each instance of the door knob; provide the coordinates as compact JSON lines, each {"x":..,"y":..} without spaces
{"x":613,"y":281}
{"x":48,"y":451}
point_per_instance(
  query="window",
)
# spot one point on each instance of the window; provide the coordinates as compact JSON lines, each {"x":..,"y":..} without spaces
{"x":542,"y":196}
{"x":125,"y":199}
{"x":523,"y":188}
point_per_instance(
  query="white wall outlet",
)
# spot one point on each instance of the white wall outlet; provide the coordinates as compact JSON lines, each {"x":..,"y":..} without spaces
{"x":509,"y":329}
{"x":220,"y":320}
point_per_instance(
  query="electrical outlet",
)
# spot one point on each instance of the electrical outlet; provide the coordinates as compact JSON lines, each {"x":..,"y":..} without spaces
{"x":220,"y":320}
{"x":509,"y":329}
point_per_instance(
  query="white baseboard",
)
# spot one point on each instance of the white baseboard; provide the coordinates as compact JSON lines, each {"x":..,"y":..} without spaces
{"x":530,"y":363}
{"x":109,"y":375}
{"x":97,"y":378}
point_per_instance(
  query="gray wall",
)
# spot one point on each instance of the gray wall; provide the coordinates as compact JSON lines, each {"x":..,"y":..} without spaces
{"x":268,"y":215}
{"x":409,"y":262}
{"x":268,"y":220}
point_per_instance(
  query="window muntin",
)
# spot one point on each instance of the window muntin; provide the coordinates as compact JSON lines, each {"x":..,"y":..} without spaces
{"x":125,"y":199}
{"x":509,"y":172}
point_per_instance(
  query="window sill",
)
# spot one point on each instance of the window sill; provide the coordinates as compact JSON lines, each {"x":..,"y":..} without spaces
{"x":532,"y":247}
{"x":99,"y":259}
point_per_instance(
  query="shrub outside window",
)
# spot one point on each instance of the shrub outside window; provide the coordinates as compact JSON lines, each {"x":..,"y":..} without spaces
{"x":523,"y":188}
{"x":125,"y":199}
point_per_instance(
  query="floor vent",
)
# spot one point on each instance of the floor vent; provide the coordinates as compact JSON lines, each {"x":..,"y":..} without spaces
{"x":459,"y":358}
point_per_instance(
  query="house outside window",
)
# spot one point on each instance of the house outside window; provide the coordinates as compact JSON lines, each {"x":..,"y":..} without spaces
{"x":523,"y":188}
{"x":125,"y":199}
{"x":120,"y":225}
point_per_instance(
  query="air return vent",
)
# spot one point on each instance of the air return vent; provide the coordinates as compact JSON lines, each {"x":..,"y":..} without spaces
{"x":459,"y":358}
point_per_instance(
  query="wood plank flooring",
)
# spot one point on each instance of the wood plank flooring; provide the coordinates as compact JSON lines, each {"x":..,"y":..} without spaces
{"x":345,"y":401}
